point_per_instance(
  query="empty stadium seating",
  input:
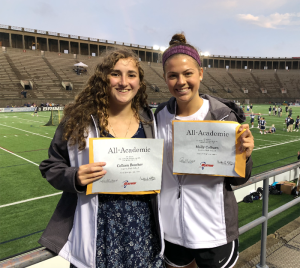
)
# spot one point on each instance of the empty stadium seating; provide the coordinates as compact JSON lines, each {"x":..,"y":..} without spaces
{"x":47,"y":73}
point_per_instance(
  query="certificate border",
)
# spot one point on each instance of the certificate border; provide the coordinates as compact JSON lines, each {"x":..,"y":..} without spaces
{"x":240,"y":158}
{"x":89,"y":189}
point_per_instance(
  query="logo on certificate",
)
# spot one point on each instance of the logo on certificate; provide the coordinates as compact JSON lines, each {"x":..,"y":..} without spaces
{"x":126,"y":183}
{"x":203,"y":165}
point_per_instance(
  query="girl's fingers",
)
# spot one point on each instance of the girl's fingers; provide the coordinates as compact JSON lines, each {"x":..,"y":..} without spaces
{"x":95,"y":174}
{"x":90,"y":170}
{"x":242,"y":127}
{"x":88,"y":181}
{"x":89,"y":173}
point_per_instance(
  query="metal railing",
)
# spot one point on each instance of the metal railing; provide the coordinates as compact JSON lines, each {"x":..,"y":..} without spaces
{"x":42,"y":254}
{"x":263,"y":220}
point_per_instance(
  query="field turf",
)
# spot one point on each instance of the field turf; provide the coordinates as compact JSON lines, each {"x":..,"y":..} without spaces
{"x":24,"y":141}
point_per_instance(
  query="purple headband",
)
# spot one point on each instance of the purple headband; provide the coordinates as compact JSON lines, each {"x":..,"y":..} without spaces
{"x":181,"y":50}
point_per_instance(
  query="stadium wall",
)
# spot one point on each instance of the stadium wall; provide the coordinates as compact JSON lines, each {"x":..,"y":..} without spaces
{"x":25,"y":38}
{"x":32,"y":39}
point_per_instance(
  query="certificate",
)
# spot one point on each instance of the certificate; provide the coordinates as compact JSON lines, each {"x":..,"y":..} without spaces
{"x":207,"y":147}
{"x":134,"y":166}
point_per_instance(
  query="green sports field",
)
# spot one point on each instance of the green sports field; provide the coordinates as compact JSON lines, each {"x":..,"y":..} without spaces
{"x":27,"y":200}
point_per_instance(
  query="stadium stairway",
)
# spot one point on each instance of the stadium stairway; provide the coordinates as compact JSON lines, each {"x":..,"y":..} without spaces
{"x":283,"y":248}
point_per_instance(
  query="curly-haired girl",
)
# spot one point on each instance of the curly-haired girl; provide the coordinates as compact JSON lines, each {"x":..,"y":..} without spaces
{"x":102,"y":230}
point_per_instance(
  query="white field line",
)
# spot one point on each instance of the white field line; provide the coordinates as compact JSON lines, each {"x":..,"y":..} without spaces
{"x":19,"y":156}
{"x":19,"y":202}
{"x":31,"y":199}
{"x":7,"y":116}
{"x":20,"y":118}
{"x":277,"y":144}
{"x":41,"y":115}
{"x":266,"y":140}
{"x":41,"y":122}
{"x":27,"y":131}
{"x":284,"y":135}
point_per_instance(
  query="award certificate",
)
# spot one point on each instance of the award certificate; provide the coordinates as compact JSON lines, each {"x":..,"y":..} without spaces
{"x":134,"y":166}
{"x":207,"y":147}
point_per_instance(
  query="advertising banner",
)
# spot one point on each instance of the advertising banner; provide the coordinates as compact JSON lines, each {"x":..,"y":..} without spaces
{"x":54,"y":108}
{"x":17,"y":109}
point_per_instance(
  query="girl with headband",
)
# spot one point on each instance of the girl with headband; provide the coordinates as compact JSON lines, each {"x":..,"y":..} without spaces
{"x":199,"y":212}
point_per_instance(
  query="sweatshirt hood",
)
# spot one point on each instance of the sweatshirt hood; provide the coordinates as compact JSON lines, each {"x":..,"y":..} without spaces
{"x":218,"y":107}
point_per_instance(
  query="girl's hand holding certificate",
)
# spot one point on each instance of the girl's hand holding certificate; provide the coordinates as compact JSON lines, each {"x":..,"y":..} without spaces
{"x":246,"y":140}
{"x":89,"y":173}
{"x":216,"y":148}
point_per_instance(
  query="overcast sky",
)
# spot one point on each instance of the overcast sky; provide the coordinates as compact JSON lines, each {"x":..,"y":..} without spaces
{"x":256,"y":28}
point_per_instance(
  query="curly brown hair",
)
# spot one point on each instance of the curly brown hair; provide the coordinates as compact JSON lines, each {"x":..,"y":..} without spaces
{"x":94,"y":100}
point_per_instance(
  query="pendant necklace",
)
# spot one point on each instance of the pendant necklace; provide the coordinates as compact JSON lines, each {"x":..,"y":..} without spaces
{"x":126,"y":131}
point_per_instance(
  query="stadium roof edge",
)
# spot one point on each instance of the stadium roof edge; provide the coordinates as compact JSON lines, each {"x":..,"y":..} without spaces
{"x":82,"y":38}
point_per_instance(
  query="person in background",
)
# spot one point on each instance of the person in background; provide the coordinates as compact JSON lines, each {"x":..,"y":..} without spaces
{"x":291,"y":125}
{"x":279,"y":111}
{"x":298,"y":156}
{"x":251,"y":107}
{"x":262,"y":126}
{"x":199,"y":212}
{"x":287,"y":122}
{"x":35,"y":111}
{"x":297,"y":124}
{"x":270,"y":110}
{"x":102,"y":230}
{"x":286,"y":109}
{"x":252,"y":116}
{"x":272,"y":129}
{"x":258,"y":120}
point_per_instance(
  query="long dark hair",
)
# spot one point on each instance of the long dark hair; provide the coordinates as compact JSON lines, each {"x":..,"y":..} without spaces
{"x":94,"y":99}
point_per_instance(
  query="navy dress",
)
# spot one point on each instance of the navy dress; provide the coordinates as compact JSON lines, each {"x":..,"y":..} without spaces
{"x":126,"y":232}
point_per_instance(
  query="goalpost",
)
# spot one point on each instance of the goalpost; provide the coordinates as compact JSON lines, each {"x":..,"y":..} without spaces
{"x":55,"y":118}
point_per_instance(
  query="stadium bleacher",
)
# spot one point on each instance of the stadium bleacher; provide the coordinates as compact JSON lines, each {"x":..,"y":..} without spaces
{"x":48,"y":70}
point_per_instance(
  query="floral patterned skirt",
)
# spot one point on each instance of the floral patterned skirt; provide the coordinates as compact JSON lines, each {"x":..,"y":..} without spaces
{"x":126,"y":237}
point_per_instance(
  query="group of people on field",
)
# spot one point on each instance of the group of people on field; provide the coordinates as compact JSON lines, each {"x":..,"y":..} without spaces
{"x":261,"y":124}
{"x":290,"y":122}
{"x":278,"y":110}
{"x":275,"y":110}
{"x":192,"y":222}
